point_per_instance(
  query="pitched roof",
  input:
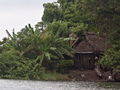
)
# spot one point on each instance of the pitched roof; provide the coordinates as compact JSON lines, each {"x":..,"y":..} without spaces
{"x":92,"y":43}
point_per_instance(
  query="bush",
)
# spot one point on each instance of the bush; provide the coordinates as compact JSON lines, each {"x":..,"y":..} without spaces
{"x":12,"y":66}
{"x":66,"y":65}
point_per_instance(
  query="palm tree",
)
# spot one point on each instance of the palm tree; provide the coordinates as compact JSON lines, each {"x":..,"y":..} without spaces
{"x":18,"y":42}
{"x":45,"y":44}
{"x":12,"y":43}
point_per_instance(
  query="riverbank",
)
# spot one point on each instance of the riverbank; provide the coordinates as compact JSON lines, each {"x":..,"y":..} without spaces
{"x":73,"y":75}
{"x":89,"y":75}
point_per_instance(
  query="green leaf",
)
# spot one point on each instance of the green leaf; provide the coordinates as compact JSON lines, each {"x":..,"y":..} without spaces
{"x":47,"y":55}
{"x":52,"y":48}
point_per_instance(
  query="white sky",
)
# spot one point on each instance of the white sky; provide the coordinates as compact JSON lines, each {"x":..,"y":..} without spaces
{"x":18,"y":13}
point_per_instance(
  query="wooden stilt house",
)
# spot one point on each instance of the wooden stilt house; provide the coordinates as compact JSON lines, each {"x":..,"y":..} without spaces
{"x":91,"y":46}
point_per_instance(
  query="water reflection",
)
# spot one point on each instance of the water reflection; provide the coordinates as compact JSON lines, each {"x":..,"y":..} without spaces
{"x":56,"y":85}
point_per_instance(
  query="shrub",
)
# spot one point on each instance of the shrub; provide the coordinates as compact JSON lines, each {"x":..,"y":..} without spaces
{"x":66,"y":65}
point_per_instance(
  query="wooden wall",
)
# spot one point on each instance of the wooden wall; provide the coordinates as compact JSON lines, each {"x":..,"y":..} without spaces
{"x":84,"y":61}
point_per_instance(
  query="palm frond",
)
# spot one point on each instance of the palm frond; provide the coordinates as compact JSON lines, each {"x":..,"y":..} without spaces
{"x":47,"y":55}
{"x":40,"y":59}
{"x":65,"y":51}
{"x":53,"y":48}
{"x":14,"y":36}
{"x":69,"y":39}
{"x":54,"y":56}
{"x":11,"y":47}
{"x":58,"y":53}
{"x":9,"y":34}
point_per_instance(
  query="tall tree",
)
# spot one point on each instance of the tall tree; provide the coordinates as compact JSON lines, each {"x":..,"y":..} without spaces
{"x":51,"y":12}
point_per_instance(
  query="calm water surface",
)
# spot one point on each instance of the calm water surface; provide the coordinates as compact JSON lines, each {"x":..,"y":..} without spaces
{"x":56,"y":85}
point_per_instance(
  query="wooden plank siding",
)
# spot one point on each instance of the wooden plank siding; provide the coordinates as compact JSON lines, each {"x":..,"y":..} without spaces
{"x":84,"y":60}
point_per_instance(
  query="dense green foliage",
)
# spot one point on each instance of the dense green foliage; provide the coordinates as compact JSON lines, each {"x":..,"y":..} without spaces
{"x":51,"y":12}
{"x":101,"y":16}
{"x":30,"y":52}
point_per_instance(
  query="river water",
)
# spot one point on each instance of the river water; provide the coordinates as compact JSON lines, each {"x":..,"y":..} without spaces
{"x":56,"y":85}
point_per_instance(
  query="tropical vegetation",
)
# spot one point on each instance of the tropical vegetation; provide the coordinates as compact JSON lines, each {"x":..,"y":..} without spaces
{"x":31,"y":52}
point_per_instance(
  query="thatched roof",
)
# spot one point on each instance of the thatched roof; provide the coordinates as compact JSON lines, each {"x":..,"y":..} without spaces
{"x":92,"y":43}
